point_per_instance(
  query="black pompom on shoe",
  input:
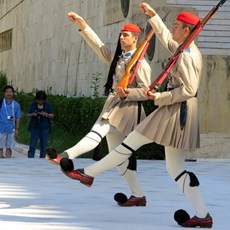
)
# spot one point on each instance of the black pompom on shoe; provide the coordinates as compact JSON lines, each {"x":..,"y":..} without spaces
{"x":67,"y":164}
{"x":120,"y":198}
{"x":51,"y":153}
{"x":181,"y":216}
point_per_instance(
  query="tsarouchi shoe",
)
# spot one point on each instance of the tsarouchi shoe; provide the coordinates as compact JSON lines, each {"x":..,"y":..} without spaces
{"x":134,"y":201}
{"x":52,"y":156}
{"x":78,"y":174}
{"x":198,"y":222}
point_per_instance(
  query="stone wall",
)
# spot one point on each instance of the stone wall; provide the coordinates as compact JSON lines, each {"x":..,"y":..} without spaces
{"x":214,"y":94}
{"x":48,"y":53}
{"x":47,"y":50}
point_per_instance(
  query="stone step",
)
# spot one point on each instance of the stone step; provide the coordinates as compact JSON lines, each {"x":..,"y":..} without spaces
{"x":213,"y":39}
{"x":211,"y":51}
{"x":215,"y":33}
{"x":221,"y":28}
{"x":197,"y":3}
{"x":208,"y":8}
{"x":219,"y":45}
{"x":225,"y":16}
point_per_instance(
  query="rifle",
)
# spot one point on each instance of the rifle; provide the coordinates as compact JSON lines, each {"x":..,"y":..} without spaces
{"x":139,"y":54}
{"x":196,"y":30}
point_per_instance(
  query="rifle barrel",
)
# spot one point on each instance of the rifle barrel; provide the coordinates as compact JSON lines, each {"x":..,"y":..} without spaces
{"x":221,"y":3}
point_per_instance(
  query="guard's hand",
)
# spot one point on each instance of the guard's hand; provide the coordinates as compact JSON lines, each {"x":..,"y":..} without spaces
{"x":122,"y":93}
{"x":150,"y":94}
{"x":77,"y":19}
{"x":147,"y":9}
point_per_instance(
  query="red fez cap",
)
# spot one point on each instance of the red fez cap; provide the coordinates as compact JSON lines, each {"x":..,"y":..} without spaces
{"x":131,"y":28}
{"x":188,"y":17}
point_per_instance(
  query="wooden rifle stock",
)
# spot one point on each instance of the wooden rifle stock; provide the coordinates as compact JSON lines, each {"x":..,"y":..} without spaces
{"x":142,"y":48}
{"x":196,"y":30}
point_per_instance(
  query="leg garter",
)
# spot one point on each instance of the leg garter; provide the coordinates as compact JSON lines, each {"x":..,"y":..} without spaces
{"x":132,"y":159}
{"x":193,"y":179}
{"x":132,"y":163}
{"x":96,"y":133}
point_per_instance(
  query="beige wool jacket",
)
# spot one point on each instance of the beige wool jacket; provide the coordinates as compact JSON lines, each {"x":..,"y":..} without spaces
{"x":163,"y":125}
{"x":122,"y":114}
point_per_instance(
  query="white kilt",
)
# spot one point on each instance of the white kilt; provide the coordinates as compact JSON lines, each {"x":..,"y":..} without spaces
{"x":163,"y":126}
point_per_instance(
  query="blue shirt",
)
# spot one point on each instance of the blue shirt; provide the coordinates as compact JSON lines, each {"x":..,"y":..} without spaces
{"x":40,"y":122}
{"x":9,"y":112}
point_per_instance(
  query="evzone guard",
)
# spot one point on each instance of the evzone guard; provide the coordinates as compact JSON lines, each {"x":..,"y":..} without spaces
{"x":123,"y":109}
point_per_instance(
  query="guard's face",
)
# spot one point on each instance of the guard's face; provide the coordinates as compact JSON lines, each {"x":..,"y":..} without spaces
{"x":179,"y":32}
{"x":9,"y":94}
{"x":128,"y":41}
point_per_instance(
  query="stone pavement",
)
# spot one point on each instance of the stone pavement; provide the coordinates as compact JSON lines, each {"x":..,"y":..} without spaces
{"x":35,"y":195}
{"x":21,"y":151}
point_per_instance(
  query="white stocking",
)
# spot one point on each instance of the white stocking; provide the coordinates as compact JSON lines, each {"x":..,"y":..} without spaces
{"x":119,"y":155}
{"x":175,"y":159}
{"x":91,"y":140}
{"x":130,"y":177}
